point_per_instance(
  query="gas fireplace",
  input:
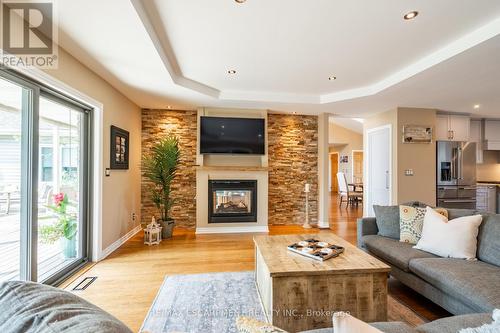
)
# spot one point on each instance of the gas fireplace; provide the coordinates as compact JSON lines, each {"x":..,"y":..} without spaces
{"x":232,"y":201}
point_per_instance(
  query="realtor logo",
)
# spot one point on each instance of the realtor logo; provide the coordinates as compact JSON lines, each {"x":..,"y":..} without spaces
{"x":28,"y":35}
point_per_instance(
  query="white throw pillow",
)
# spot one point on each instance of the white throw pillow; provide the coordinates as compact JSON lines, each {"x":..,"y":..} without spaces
{"x":455,"y":238}
{"x":345,"y":323}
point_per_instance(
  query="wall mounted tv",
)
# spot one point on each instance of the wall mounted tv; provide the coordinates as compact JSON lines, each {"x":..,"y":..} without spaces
{"x":221,"y":135}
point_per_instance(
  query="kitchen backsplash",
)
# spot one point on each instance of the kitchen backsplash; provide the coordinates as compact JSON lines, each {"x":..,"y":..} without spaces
{"x":489,"y":170}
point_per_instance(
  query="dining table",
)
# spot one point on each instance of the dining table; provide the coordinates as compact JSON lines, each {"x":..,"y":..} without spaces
{"x":355,"y":187}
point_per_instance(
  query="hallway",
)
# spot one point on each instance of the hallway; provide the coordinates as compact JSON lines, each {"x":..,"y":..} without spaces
{"x":343,"y":219}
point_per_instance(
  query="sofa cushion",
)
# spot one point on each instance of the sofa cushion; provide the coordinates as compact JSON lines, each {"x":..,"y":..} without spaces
{"x":475,"y":283}
{"x":32,"y":307}
{"x":387,"y":220}
{"x":455,"y":323}
{"x":454,"y":213}
{"x":488,"y":246}
{"x":393,"y":251}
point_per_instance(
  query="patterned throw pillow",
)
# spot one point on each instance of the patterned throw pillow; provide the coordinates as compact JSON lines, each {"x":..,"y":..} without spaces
{"x":411,"y":222}
{"x":251,"y":325}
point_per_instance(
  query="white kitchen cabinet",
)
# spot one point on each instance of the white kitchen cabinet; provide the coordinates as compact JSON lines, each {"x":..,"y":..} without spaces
{"x":492,"y":130}
{"x":452,"y":128}
{"x":476,"y":136}
{"x":442,"y":128}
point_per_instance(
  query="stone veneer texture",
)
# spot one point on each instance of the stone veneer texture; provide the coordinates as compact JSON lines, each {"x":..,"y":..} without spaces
{"x":157,"y":124}
{"x":293,"y":161}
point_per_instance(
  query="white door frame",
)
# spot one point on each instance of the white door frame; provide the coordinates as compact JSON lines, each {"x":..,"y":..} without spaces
{"x":352,"y":162}
{"x":366,"y":178}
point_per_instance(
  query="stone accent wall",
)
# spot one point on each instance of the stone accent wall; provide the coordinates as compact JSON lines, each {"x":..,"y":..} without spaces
{"x":293,"y":161}
{"x":156,"y":124}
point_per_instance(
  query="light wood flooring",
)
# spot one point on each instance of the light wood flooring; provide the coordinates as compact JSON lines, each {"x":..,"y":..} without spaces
{"x":128,"y":280}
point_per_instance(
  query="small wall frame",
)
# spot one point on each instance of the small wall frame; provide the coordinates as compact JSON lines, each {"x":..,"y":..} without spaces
{"x":417,"y":134}
{"x":119,"y":148}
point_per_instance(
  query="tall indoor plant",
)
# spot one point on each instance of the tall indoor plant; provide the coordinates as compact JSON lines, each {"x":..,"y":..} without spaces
{"x":160,"y":167}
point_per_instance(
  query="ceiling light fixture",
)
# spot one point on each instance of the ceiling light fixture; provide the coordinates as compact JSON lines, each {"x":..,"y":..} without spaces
{"x":477,"y":106}
{"x":410,"y":15}
{"x":240,"y":1}
{"x":332,"y":78}
{"x":231,"y":71}
{"x":169,"y":107}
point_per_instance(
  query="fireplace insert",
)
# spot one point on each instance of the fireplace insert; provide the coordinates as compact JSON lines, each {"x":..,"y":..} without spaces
{"x":232,"y":201}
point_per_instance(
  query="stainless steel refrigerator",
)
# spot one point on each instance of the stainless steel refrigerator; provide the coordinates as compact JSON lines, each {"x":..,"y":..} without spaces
{"x":456,"y":174}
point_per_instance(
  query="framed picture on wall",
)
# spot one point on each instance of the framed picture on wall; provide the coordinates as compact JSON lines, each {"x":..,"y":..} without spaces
{"x":119,"y":148}
{"x":417,"y":134}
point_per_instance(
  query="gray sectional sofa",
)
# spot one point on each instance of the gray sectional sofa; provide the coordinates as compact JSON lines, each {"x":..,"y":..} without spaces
{"x":459,"y":286}
{"x":445,"y":325}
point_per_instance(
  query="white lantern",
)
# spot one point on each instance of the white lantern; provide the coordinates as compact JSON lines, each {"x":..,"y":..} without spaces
{"x":152,"y":234}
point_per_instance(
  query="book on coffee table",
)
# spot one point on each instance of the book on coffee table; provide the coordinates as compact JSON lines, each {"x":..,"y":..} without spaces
{"x":315,"y":249}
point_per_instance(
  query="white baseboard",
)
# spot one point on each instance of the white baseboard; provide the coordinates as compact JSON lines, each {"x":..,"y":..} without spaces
{"x":119,"y":242}
{"x":231,"y":230}
{"x":323,"y":225}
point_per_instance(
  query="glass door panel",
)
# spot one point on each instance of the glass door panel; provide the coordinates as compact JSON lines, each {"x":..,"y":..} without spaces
{"x":60,"y":180}
{"x":11,"y":114}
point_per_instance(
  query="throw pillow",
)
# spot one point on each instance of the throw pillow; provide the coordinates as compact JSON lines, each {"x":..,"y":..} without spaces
{"x":252,"y":325}
{"x":455,"y":238}
{"x":442,"y":211}
{"x":387,"y":219}
{"x":345,"y":323}
{"x":411,"y":221}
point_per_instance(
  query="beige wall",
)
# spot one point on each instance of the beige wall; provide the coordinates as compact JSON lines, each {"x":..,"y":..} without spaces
{"x":489,"y":170}
{"x":344,"y":141}
{"x":419,"y":157}
{"x":122,"y":190}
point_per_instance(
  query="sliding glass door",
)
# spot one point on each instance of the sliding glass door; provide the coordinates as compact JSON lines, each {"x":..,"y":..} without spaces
{"x":44,"y":157}
{"x":61,"y":162}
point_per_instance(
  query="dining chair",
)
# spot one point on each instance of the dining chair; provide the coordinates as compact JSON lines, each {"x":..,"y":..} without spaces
{"x":344,"y":192}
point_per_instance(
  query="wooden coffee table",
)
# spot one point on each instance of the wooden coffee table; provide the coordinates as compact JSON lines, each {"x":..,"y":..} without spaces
{"x":300,"y":294}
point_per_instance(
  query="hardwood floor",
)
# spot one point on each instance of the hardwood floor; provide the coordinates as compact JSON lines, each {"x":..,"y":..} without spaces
{"x":128,"y":280}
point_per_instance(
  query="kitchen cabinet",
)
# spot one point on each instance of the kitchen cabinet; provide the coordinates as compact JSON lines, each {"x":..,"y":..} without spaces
{"x":486,"y":198}
{"x":452,"y":128}
{"x":476,"y":135}
{"x":491,"y":134}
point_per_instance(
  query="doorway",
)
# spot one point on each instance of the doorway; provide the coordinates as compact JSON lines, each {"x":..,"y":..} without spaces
{"x":357,"y":166}
{"x":334,"y":169}
{"x":378,"y":168}
{"x":44,"y":172}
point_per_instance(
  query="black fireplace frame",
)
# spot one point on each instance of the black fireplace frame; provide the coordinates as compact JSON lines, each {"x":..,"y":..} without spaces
{"x":228,"y":185}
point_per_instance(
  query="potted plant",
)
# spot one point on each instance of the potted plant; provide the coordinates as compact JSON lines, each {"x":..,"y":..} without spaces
{"x":64,"y":229}
{"x":160,"y":167}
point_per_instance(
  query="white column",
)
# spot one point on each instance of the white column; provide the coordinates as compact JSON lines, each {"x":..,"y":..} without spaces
{"x":323,"y":195}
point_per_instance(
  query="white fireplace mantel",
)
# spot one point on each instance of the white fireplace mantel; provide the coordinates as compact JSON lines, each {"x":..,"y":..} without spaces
{"x":204,"y":174}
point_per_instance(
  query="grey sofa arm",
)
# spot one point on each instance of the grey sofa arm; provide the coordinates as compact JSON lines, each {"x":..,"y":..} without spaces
{"x":366,"y":226}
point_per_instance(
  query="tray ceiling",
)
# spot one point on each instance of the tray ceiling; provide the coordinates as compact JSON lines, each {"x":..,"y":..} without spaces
{"x":171,"y":52}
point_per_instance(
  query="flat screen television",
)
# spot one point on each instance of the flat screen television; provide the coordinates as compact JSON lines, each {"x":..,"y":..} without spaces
{"x":221,"y":135}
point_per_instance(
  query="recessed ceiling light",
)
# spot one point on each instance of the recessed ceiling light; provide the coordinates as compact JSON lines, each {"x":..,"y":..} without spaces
{"x":332,"y":78}
{"x":411,"y":15}
{"x":240,"y":1}
{"x":231,"y":71}
{"x":169,"y":107}
{"x":477,"y":106}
